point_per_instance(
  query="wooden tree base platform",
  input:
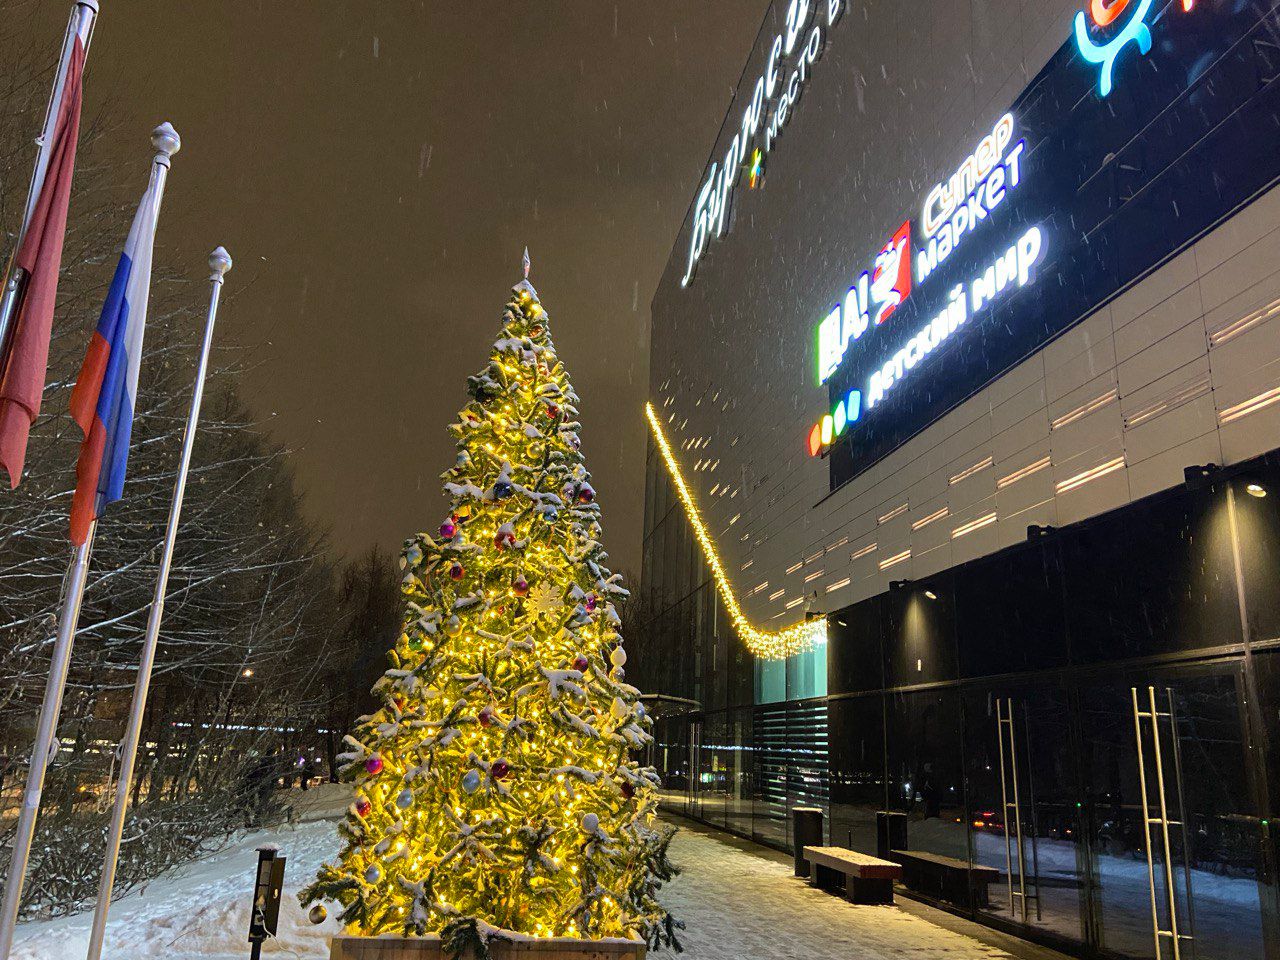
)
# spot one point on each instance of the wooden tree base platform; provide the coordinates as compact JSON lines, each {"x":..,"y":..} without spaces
{"x":430,"y":948}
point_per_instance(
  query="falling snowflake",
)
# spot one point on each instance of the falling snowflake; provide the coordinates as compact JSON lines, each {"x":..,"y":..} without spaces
{"x":545,"y":600}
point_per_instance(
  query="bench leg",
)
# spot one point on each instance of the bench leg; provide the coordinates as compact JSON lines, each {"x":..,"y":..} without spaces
{"x":824,"y":878}
{"x":870,"y":891}
{"x":979,"y":893}
{"x":953,"y":887}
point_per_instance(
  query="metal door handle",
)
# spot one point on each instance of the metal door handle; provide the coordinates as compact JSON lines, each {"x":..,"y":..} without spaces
{"x":1173,"y":934}
{"x":1004,"y":718}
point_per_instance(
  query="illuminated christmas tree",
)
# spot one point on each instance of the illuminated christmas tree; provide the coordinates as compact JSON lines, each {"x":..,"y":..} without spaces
{"x":496,"y":785}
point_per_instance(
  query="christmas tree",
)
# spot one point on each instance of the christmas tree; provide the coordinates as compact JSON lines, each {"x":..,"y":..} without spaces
{"x":496,"y":788}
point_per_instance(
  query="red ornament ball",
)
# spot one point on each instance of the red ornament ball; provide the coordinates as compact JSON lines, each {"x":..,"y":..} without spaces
{"x":553,"y":411}
{"x":586,"y":494}
{"x":504,"y":539}
{"x":373,"y":765}
{"x":521,"y":587}
{"x":580,"y":663}
{"x":363,"y":807}
{"x":456,"y":572}
{"x":628,"y":791}
{"x":499,"y":770}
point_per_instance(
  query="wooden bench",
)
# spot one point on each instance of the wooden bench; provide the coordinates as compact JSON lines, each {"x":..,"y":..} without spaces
{"x":863,"y":878}
{"x":956,"y":881}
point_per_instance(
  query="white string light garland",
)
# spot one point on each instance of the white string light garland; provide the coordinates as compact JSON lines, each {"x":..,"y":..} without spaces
{"x":777,"y":645}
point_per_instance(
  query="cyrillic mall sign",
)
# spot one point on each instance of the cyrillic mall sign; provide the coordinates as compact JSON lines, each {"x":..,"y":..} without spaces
{"x":787,"y":71}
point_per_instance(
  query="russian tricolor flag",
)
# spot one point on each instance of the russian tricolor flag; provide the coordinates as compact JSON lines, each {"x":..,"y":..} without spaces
{"x":105,"y":395}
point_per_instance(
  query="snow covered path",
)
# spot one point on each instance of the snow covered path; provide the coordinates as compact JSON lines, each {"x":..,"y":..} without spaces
{"x":735,"y":904}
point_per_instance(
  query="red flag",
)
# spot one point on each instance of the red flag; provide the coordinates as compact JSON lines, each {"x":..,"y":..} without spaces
{"x":41,"y":257}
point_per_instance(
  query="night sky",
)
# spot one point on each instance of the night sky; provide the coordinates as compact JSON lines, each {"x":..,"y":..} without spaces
{"x":376,"y":169}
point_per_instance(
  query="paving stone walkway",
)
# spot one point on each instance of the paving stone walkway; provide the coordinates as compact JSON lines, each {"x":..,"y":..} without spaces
{"x":739,"y":904}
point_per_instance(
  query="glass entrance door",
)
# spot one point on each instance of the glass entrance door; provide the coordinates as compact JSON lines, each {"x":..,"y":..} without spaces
{"x":694,"y":808}
{"x":1171,"y":816}
{"x":1024,"y":819}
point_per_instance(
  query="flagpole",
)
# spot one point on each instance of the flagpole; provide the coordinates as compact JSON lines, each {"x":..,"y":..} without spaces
{"x":219,"y":264}
{"x":42,"y":754}
{"x":166,"y":142}
{"x":84,"y":16}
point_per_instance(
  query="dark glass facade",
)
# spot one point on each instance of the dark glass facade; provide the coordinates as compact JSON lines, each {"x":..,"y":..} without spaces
{"x":1036,"y":711}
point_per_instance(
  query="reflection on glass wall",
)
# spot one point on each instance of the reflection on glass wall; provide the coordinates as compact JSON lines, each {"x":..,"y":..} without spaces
{"x":744,"y":769}
{"x":857,"y":772}
{"x":926,"y":776}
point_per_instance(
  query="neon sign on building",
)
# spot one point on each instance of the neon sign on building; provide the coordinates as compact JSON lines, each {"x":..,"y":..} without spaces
{"x":1113,"y":40}
{"x":952,"y":211}
{"x":884,"y":288}
{"x":959,"y":206}
{"x":774,"y":96}
{"x":1011,"y":271}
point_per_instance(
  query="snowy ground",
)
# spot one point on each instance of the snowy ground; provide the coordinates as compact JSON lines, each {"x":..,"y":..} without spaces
{"x":736,"y":904}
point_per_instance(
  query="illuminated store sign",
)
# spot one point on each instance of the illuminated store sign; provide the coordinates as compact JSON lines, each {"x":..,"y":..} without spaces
{"x":1115,"y":34}
{"x":961,"y":205}
{"x":1024,"y":238}
{"x":1011,"y":271}
{"x":884,"y":288}
{"x":776,"y":92}
{"x":952,"y":211}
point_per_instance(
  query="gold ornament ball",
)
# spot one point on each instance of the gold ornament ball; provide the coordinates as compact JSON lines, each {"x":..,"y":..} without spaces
{"x":317,"y":914}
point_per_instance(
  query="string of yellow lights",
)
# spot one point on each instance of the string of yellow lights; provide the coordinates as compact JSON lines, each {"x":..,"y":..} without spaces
{"x":767,"y":645}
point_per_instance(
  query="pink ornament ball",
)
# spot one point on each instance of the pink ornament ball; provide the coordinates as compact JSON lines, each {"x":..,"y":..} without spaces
{"x":373,"y":765}
{"x":486,"y":716}
{"x":448,"y":530}
{"x":591,"y":602}
{"x":522,"y":587}
{"x":499,"y":770}
{"x":580,"y":663}
{"x":456,"y":572}
{"x":586,"y":495}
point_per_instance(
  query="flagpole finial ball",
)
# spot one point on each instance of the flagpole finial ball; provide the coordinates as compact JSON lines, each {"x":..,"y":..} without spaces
{"x":219,"y":263}
{"x":166,"y":140}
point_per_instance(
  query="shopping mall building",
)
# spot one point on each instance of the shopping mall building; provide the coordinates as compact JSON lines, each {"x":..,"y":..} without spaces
{"x":970,"y":345}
